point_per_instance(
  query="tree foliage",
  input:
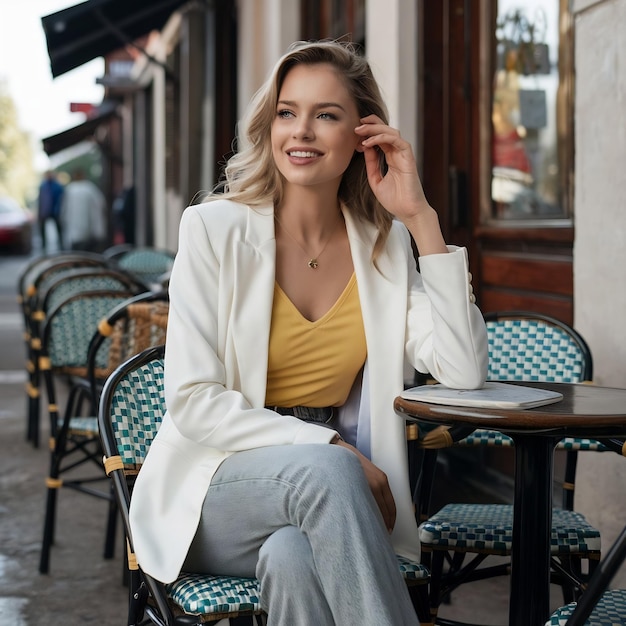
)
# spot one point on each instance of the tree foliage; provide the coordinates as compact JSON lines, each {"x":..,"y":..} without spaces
{"x":17,"y":174}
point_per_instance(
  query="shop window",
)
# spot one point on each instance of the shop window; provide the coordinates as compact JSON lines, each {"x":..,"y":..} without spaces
{"x":531,"y":115}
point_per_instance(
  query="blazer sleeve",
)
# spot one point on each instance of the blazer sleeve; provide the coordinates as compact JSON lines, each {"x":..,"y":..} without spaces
{"x":446,"y":333}
{"x":200,"y":403}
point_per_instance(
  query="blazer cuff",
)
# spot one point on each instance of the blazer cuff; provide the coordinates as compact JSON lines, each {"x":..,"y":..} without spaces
{"x":314,"y":433}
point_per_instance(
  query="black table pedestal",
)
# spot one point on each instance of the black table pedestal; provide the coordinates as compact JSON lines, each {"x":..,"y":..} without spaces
{"x":532,"y":524}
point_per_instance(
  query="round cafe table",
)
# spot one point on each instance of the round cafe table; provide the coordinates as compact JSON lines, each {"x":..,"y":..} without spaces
{"x":585,"y":411}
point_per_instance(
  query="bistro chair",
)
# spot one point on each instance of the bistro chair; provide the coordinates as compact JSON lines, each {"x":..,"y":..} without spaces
{"x":151,"y":265}
{"x":131,"y":410}
{"x":27,"y":288}
{"x":56,"y":287}
{"x":85,"y":338}
{"x":598,"y":605}
{"x":523,"y":346}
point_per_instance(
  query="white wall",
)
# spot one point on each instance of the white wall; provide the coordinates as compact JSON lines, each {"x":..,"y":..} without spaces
{"x":391,"y":41}
{"x":600,"y":244}
{"x":266,"y":29}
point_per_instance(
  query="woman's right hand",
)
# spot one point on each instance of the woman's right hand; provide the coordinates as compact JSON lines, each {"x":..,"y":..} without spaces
{"x":377,"y":480}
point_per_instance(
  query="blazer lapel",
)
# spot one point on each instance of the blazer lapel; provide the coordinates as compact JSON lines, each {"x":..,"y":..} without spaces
{"x":255,"y":270}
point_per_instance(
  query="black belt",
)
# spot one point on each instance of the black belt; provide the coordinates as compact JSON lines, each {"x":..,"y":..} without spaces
{"x":321,"y":415}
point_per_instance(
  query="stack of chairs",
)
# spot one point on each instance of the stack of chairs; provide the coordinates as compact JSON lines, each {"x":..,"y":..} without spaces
{"x":52,"y":287}
{"x":34,"y":276}
{"x":84,"y":337}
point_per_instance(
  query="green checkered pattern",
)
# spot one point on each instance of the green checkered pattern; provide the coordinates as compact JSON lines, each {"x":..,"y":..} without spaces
{"x":411,"y":570}
{"x":610,"y":611}
{"x":489,"y":527}
{"x":202,"y":595}
{"x":61,"y":291}
{"x":531,"y":350}
{"x":137,"y":409}
{"x":74,"y":324}
{"x":148,"y":265}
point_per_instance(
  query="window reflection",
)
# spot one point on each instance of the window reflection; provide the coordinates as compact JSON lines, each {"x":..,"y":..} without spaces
{"x":525,"y":155}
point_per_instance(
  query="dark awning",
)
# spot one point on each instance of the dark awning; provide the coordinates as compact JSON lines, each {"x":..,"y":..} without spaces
{"x":94,"y":28}
{"x":76,"y":134}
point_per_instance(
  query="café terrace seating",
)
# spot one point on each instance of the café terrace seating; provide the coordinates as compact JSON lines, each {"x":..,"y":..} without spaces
{"x":458,"y":538}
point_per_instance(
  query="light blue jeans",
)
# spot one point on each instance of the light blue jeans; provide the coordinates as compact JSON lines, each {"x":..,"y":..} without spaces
{"x":303,"y":520}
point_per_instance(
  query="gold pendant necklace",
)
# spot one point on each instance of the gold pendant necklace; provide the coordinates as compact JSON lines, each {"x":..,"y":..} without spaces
{"x":313,"y":262}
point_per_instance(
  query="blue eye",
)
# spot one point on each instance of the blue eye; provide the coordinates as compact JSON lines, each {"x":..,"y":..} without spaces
{"x":284,"y":113}
{"x":327,"y":116}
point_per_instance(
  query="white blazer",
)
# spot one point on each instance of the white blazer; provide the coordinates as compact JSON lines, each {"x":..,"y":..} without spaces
{"x":221,"y":293}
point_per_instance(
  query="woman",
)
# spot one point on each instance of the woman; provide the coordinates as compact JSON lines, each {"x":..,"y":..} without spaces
{"x":294,"y":302}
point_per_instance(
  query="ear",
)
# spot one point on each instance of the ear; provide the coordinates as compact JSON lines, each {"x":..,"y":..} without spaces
{"x":359,"y":147}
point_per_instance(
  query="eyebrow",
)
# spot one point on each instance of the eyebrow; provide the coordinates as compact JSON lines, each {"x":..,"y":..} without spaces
{"x":319,"y":105}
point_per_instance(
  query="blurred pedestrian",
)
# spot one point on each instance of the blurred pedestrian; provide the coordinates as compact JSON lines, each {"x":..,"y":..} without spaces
{"x":83,"y":214}
{"x":49,"y":207}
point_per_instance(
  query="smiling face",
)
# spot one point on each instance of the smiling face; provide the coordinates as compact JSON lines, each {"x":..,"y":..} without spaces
{"x":313,"y":137}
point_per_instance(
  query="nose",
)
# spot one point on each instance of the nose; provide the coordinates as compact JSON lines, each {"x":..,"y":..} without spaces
{"x":303,"y":129}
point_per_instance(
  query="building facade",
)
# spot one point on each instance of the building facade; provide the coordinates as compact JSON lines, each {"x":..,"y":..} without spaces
{"x":514,"y":110}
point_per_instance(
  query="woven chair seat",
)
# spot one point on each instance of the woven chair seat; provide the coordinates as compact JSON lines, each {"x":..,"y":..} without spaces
{"x":610,"y":611}
{"x":581,"y":445}
{"x":211,"y":595}
{"x":411,"y":570}
{"x":481,"y":437}
{"x":489,"y":527}
{"x":205,"y":595}
{"x":87,"y":425}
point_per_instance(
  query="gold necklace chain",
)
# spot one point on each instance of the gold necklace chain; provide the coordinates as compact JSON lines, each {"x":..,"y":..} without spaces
{"x":313,"y":262}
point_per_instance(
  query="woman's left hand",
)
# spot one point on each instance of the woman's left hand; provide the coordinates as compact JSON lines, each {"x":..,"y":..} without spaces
{"x":400,"y":189}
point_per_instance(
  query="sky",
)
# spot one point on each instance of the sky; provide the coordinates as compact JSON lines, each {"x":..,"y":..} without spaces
{"x":43,"y":103}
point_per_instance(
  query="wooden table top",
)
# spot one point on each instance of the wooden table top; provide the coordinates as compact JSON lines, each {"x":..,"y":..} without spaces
{"x":585,"y":408}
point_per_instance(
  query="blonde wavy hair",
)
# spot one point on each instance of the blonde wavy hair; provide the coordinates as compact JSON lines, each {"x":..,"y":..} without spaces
{"x":251,"y":176}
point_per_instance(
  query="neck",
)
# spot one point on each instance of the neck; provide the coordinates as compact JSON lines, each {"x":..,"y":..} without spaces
{"x":308,"y":215}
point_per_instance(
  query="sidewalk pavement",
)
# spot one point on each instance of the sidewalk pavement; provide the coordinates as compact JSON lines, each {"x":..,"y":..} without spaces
{"x":82,"y":586}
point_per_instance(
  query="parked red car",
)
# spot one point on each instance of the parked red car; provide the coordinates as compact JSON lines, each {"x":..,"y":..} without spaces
{"x":16,"y":227}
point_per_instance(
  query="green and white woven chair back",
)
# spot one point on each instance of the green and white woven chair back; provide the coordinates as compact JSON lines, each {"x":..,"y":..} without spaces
{"x":67,"y":288}
{"x":137,"y":410}
{"x":531,"y":350}
{"x":527,"y":350}
{"x":148,"y":265}
{"x":52,"y":275}
{"x":72,"y":326}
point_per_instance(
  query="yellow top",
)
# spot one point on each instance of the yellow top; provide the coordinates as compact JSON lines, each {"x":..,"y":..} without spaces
{"x":315,"y":363}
